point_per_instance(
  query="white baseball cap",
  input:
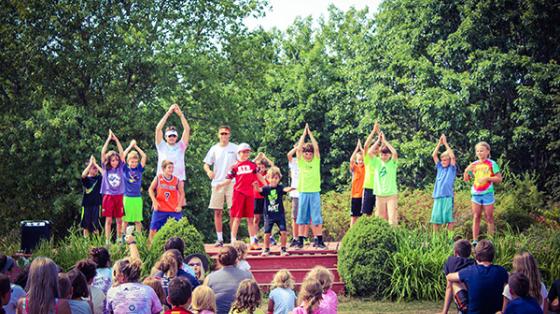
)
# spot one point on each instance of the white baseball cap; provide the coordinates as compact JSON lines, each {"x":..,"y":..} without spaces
{"x":243,"y":147}
{"x":171,"y":132}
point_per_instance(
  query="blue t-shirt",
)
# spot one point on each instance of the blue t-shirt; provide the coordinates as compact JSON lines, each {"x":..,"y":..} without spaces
{"x":445,"y":178}
{"x":284,"y":300}
{"x":485,"y":285}
{"x":523,"y":306}
{"x":133,"y":180}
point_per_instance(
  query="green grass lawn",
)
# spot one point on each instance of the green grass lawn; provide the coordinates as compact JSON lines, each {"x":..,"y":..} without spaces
{"x":352,"y":305}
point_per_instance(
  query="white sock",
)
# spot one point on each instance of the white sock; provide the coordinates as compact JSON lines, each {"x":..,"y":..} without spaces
{"x":220,"y":236}
{"x":254,"y":239}
{"x":233,"y":238}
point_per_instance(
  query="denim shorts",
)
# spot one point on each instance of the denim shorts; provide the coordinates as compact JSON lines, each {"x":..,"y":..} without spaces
{"x":483,"y":199}
{"x":309,"y":208}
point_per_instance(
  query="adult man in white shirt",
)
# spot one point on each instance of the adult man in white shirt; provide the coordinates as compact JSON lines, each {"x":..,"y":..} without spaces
{"x":169,"y":148}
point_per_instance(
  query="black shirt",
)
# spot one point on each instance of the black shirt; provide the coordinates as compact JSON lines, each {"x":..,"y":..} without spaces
{"x":92,"y":188}
{"x":456,"y":263}
{"x":273,"y":205}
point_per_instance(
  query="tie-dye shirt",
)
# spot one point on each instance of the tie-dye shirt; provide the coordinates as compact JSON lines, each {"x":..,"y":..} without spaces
{"x":133,"y":297}
{"x":483,"y":169}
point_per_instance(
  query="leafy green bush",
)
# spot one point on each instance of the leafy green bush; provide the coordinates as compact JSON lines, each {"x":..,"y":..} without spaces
{"x":365,"y":255}
{"x":194,"y":242}
{"x":336,"y":214}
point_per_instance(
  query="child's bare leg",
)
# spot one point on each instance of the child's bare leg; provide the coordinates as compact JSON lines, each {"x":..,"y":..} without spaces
{"x":436,"y":227}
{"x":124,"y":224}
{"x":138,"y":226}
{"x":108,"y":225}
{"x":234,"y":227}
{"x":86,"y":232}
{"x":283,"y":238}
{"x":303,"y":229}
{"x":218,"y":219}
{"x":295,"y":229}
{"x":267,"y":240}
{"x":119,"y":227}
{"x":392,"y":210}
{"x":152,"y":235}
{"x":381,"y":209}
{"x":476,"y":211}
{"x":353,"y":220}
{"x":317,"y":230}
{"x":251,"y":227}
{"x":450,"y":226}
{"x":489,"y":215}
{"x":458,"y":286}
{"x":256,"y":221}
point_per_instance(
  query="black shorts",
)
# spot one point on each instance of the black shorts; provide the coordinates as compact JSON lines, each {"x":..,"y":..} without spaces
{"x":368,"y":202}
{"x":259,"y":206}
{"x":279,"y":221}
{"x":356,"y":208}
{"x":90,"y":218}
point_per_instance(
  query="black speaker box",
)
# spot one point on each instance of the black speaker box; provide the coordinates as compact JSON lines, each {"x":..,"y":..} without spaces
{"x":32,"y":232}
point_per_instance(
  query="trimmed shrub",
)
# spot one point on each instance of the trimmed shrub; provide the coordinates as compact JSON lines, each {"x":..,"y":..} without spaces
{"x":194,"y":242}
{"x":364,"y":259}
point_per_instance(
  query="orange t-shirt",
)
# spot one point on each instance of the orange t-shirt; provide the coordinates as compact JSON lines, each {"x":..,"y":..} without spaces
{"x":358,"y":176}
{"x":167,"y":193}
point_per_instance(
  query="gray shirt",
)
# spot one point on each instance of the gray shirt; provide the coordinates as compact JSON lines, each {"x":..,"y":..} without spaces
{"x":224,"y":283}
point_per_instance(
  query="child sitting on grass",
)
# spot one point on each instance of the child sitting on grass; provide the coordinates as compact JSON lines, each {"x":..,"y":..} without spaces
{"x":241,"y":248}
{"x":310,"y":296}
{"x":282,"y":298}
{"x":247,"y":299}
{"x":179,"y":296}
{"x":456,"y":290}
{"x":329,"y":302}
{"x":203,"y":300}
{"x":522,"y":302}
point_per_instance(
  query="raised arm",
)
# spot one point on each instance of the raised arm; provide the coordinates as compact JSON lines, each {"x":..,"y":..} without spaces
{"x":143,"y":156}
{"x":90,"y":164}
{"x":105,"y":146}
{"x":394,"y":154}
{"x":161,"y":124}
{"x":299,"y":149}
{"x":129,"y":148}
{"x":96,"y":165}
{"x":369,"y":139}
{"x":119,"y":146}
{"x":291,"y":153}
{"x":372,"y":151}
{"x":353,"y":157}
{"x":452,"y":159}
{"x":185,"y":137}
{"x":313,"y":142}
{"x":435,"y":156}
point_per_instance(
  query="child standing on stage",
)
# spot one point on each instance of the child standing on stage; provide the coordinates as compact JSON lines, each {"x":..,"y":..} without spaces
{"x":274,"y":212}
{"x":309,"y":188}
{"x":368,"y":198}
{"x":442,"y":211}
{"x":263,"y":164}
{"x":384,"y":164}
{"x":245,"y":173}
{"x":357,"y":169}
{"x":133,"y":184}
{"x":113,"y":186}
{"x":167,"y":193}
{"x":485,"y":172}
{"x":294,"y":196}
{"x":91,"y":200}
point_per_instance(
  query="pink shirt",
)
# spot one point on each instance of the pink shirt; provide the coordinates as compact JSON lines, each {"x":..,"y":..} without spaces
{"x":329,"y":304}
{"x":205,"y":312}
{"x":301,"y":310}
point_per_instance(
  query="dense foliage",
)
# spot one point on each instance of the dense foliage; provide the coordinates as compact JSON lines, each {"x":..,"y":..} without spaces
{"x":475,"y":70}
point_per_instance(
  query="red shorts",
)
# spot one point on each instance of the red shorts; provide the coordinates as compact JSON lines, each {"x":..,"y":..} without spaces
{"x":112,"y":206}
{"x":242,"y":205}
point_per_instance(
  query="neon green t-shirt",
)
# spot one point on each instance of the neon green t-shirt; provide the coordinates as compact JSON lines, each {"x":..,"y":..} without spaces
{"x":385,"y":177}
{"x":309,"y":179}
{"x":368,"y":177}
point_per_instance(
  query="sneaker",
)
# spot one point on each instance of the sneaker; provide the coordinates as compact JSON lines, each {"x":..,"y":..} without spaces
{"x":294,"y":242}
{"x":474,"y":243}
{"x":321,"y":246}
{"x":284,"y":253}
{"x":299,"y":245}
{"x":255,"y":247}
{"x":315,"y":242}
{"x":266,"y":252}
{"x":219,"y":243}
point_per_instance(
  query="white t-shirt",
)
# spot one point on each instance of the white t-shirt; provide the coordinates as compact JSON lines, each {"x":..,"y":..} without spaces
{"x":244,"y":265}
{"x":133,"y":297}
{"x":17,"y":293}
{"x":294,"y":173}
{"x":544,"y":294}
{"x":103,"y":279}
{"x":174,"y":153}
{"x":222,"y":157}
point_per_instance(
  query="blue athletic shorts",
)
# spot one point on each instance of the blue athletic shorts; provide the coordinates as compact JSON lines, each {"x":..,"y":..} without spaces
{"x":483,"y":199}
{"x":309,"y":208}
{"x":160,"y":218}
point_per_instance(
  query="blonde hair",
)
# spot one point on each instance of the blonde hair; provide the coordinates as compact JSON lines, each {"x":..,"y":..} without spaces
{"x":203,"y":298}
{"x":324,"y":276}
{"x":311,"y":293}
{"x":274,"y":171}
{"x":166,"y":163}
{"x":42,"y":286}
{"x":155,"y":284}
{"x":241,"y":248}
{"x":168,"y":264}
{"x":132,"y":155}
{"x":445,"y":154}
{"x":526,"y":264}
{"x":483,"y":143}
{"x":283,"y":279}
{"x":129,"y":268}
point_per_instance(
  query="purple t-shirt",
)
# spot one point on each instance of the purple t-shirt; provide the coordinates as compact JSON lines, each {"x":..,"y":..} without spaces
{"x":113,"y":180}
{"x":133,"y":297}
{"x":133,"y":180}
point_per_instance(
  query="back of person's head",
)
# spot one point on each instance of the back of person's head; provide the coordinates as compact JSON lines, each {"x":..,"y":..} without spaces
{"x":203,"y":298}
{"x":79,"y":284}
{"x":484,"y":251}
{"x":127,"y":270}
{"x":179,"y":291}
{"x":462,"y":248}
{"x":88,"y":268}
{"x":168,"y":263}
{"x":5,"y":286}
{"x":64,"y":286}
{"x":21,"y":279}
{"x":227,"y":256}
{"x":324,"y":276}
{"x":42,"y":286}
{"x":100,"y":257}
{"x":283,"y":279}
{"x":248,"y":297}
{"x":175,"y":243}
{"x":526,"y":264}
{"x":155,"y":283}
{"x":519,"y":285}
{"x":241,"y":248}
{"x":311,"y":292}
{"x":6,"y":263}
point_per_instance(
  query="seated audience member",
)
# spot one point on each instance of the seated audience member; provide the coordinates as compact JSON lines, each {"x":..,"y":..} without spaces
{"x":88,"y":268}
{"x":521,"y":302}
{"x":9,"y":268}
{"x":526,"y":264}
{"x":554,"y":297}
{"x":203,"y":300}
{"x":179,"y":296}
{"x":457,"y":290}
{"x":199,"y":263}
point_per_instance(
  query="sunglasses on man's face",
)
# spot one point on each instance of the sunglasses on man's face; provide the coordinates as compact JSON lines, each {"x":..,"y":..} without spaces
{"x":195,"y":264}
{"x":171,"y":135}
{"x":224,"y":133}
